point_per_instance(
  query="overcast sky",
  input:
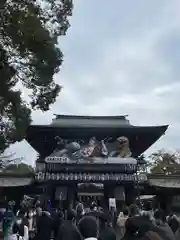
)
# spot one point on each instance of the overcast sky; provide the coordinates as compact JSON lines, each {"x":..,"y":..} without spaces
{"x":120,"y":57}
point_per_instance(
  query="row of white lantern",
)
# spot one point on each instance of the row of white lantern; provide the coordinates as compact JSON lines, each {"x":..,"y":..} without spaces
{"x":89,"y":177}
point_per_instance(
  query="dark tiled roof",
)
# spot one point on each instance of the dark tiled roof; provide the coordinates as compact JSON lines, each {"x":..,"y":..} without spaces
{"x":15,"y":181}
{"x":59,"y":116}
{"x":165,"y":182}
{"x":42,"y":137}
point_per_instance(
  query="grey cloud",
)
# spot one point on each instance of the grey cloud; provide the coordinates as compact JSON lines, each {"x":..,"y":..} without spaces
{"x":96,"y":24}
{"x":169,"y":49}
{"x":126,"y":63}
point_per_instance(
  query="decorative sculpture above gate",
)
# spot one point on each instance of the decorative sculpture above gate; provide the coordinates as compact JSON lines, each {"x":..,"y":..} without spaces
{"x":77,"y":150}
{"x":122,"y":149}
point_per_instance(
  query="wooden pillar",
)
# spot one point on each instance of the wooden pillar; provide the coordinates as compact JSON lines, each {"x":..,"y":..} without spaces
{"x":71,"y":195}
{"x":130,"y":192}
{"x":119,"y":194}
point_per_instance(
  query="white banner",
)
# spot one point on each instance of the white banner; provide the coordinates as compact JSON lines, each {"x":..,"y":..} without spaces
{"x":112,"y":202}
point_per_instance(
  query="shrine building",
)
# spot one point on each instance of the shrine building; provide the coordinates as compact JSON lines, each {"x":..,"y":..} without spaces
{"x":90,"y":158}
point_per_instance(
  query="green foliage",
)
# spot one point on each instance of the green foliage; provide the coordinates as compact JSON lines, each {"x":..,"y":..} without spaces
{"x":163,"y":162}
{"x":142,"y":164}
{"x":29,"y":57}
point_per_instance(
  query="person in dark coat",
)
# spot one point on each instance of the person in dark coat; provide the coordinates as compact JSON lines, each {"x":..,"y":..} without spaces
{"x":68,"y":230}
{"x":44,"y":227}
{"x":162,"y":228}
{"x":88,"y":228}
{"x":151,"y":236}
{"x":134,"y":210}
{"x":38,"y":215}
{"x":58,"y":219}
{"x":105,"y":231}
{"x":177,"y":234}
{"x":131,"y":230}
{"x":137,"y":226}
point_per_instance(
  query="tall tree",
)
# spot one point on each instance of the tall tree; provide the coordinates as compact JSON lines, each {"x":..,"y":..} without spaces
{"x":163,"y":162}
{"x":29,"y":57}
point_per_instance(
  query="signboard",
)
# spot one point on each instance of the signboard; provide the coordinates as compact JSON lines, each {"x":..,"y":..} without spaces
{"x":112,"y":203}
{"x":87,"y":177}
{"x":56,"y":159}
{"x":96,"y":160}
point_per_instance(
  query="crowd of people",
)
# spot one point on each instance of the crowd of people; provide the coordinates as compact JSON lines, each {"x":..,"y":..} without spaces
{"x":136,"y":224}
{"x":93,"y":223}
